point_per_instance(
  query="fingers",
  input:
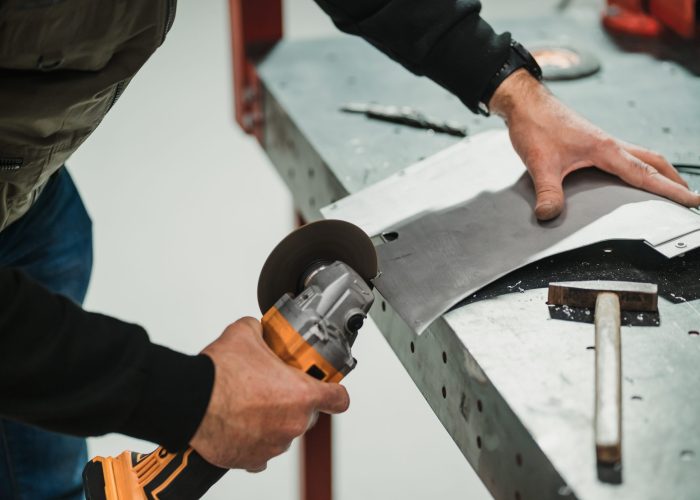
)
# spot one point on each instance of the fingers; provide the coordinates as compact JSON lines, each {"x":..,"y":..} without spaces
{"x":644,"y":176}
{"x":549,"y":192}
{"x":657,"y":161}
{"x":331,"y":398}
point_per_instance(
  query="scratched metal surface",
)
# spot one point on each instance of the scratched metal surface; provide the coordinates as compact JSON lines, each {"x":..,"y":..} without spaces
{"x":543,"y":368}
{"x":513,"y":386}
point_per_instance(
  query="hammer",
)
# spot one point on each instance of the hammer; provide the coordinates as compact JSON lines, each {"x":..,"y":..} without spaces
{"x":608,"y":297}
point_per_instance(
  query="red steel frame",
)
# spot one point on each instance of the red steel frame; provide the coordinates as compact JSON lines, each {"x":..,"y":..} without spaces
{"x":256,"y":26}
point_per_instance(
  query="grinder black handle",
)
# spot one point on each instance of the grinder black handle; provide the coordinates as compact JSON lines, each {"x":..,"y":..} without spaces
{"x":158,"y":475}
{"x":186,"y":475}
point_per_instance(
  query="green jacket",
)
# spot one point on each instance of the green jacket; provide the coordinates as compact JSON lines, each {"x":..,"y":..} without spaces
{"x":63,"y":65}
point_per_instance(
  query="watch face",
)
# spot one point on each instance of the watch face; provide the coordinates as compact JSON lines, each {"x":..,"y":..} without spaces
{"x":560,"y":62}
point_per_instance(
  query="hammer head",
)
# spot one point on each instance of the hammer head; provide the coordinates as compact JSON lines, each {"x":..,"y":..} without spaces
{"x":633,"y":296}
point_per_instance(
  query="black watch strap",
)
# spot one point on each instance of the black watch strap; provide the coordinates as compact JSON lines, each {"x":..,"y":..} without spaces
{"x":518,"y":58}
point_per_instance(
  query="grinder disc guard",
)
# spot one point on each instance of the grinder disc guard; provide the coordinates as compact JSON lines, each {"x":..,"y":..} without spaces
{"x":322,"y":241}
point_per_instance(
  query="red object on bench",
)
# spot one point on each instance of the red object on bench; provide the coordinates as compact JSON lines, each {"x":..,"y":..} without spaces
{"x":650,"y":17}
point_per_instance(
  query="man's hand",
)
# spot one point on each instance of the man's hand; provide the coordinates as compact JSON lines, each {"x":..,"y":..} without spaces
{"x":258,"y":404}
{"x":553,"y":141}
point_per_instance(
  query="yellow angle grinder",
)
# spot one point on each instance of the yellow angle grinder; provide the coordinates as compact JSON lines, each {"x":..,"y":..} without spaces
{"x":315,"y":292}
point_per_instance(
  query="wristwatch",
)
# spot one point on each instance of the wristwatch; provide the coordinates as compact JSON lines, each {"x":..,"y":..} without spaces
{"x":518,"y":58}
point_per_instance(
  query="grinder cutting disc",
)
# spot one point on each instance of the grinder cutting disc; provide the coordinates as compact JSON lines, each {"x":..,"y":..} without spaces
{"x":322,"y":241}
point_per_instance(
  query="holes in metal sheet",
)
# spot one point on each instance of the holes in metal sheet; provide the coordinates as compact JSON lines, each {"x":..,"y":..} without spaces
{"x":519,"y":459}
{"x":413,"y":347}
{"x":444,"y":357}
{"x":444,"y":392}
{"x":390,"y":236}
{"x":687,"y":455}
{"x":590,"y":348}
{"x":637,"y":397}
{"x":694,"y":333}
{"x":478,"y":442}
{"x":666,"y":130}
{"x":479,"y":406}
{"x":383,"y":306}
{"x":312,"y":172}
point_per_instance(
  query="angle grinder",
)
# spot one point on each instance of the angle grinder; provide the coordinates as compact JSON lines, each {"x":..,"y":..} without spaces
{"x":315,"y":292}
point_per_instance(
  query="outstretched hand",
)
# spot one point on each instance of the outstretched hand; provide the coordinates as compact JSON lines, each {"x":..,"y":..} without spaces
{"x":553,"y":141}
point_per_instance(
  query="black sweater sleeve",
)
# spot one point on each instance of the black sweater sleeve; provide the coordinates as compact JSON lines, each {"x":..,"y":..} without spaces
{"x":445,"y":40}
{"x":67,"y":370}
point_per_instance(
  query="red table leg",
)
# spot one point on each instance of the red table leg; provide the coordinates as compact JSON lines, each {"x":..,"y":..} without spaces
{"x":256,"y":25}
{"x":316,"y":451}
{"x":316,"y":461}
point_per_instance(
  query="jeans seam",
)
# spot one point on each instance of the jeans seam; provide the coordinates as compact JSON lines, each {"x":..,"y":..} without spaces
{"x":6,"y":450}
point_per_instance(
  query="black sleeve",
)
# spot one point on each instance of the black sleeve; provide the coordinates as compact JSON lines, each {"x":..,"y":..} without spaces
{"x":445,"y":40}
{"x":67,"y":370}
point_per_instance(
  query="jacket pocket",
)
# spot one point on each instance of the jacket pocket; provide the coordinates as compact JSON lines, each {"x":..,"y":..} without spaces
{"x":22,"y":171}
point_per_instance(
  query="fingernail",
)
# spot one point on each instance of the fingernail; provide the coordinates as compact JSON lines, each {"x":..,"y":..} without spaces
{"x":546,"y":210}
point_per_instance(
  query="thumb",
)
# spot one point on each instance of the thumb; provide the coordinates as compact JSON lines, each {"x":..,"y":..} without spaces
{"x":332,"y":398}
{"x":550,"y":194}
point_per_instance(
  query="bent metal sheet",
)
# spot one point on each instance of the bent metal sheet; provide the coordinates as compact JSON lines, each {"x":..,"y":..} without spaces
{"x":464,"y":217}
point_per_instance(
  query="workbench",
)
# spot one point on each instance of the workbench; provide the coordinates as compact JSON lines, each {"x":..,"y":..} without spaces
{"x":512,"y":386}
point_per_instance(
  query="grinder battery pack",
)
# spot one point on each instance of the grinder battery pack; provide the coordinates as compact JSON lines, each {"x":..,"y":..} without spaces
{"x":315,"y":293}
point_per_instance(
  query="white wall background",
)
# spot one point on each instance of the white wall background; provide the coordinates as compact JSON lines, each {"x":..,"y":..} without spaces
{"x":185,"y":210}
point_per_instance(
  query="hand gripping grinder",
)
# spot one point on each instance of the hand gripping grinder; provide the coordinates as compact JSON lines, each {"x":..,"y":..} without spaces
{"x":315,"y":293}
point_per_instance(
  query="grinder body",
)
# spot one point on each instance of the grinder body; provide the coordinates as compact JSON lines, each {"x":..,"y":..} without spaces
{"x":313,"y":331}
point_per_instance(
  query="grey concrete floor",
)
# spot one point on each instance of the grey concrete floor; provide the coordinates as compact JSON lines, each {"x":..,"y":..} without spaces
{"x":186,"y":208}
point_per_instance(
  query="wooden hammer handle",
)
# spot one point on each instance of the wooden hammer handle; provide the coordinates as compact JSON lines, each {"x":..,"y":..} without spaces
{"x":608,"y":379}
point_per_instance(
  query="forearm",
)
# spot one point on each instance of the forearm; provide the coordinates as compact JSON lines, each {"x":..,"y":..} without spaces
{"x":518,"y":93}
{"x":71,"y":371}
{"x":445,"y":40}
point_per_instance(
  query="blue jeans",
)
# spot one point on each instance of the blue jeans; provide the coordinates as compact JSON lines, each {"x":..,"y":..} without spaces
{"x":52,"y":243}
